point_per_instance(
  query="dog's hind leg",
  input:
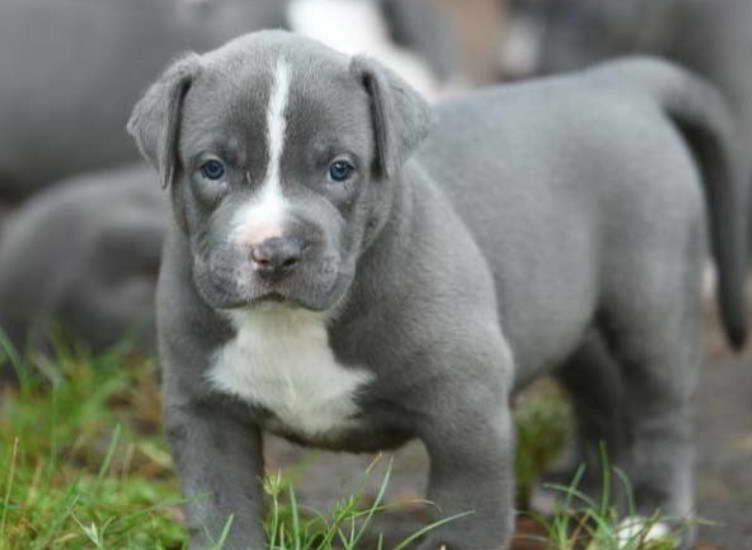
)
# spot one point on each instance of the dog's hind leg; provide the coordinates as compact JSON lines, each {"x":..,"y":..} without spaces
{"x":650,"y":319}
{"x":592,"y":379}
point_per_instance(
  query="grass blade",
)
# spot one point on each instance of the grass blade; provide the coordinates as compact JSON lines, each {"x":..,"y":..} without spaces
{"x":11,"y":355}
{"x":377,"y":502}
{"x":430,"y":527}
{"x":104,"y":468}
{"x":295,"y":516}
{"x":6,"y":500}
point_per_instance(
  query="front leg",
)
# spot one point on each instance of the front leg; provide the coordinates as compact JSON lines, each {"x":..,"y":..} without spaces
{"x":220,"y":464}
{"x":472,"y":471}
{"x":466,"y":426}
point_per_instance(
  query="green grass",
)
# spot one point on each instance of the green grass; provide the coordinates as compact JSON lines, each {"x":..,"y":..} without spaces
{"x":83,"y":461}
{"x":83,"y":465}
{"x":578,"y":521}
{"x":289,"y":527}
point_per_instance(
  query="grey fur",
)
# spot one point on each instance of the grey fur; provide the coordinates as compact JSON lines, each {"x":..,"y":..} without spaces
{"x":84,"y":254}
{"x":710,"y":37}
{"x":576,"y":201}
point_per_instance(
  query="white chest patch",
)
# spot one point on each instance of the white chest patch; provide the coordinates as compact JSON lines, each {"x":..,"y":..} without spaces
{"x":281,"y":360}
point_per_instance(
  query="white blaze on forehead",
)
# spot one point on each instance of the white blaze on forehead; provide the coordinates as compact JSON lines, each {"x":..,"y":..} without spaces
{"x":275,"y":120}
{"x":263,"y":218}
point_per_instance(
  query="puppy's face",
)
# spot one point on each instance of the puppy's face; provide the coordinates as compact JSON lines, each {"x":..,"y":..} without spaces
{"x":280,"y":169}
{"x":277,"y":159}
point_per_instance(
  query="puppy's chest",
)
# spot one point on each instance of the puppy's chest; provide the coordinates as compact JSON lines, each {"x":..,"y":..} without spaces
{"x":282,"y":361}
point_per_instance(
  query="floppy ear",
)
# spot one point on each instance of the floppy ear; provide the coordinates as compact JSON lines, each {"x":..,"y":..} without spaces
{"x":401,"y":117}
{"x":155,"y":119}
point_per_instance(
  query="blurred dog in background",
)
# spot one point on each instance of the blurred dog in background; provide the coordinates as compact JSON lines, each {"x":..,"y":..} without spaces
{"x":84,"y":253}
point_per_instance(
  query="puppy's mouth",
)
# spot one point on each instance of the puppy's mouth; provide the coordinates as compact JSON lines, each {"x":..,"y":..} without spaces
{"x":225,"y":284}
{"x":272,"y":297}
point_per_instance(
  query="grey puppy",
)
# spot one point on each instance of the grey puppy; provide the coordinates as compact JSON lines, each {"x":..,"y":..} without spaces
{"x":330,"y":279}
{"x":84,"y":254}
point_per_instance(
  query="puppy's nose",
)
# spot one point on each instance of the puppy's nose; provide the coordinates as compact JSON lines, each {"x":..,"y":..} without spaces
{"x":277,"y":256}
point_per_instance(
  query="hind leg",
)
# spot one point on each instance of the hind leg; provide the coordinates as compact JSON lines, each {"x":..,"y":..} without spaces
{"x":592,"y":379}
{"x":651,"y":320}
{"x":659,"y":381}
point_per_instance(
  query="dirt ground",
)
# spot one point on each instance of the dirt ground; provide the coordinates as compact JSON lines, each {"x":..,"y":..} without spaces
{"x":724,"y":465}
{"x":724,"y":461}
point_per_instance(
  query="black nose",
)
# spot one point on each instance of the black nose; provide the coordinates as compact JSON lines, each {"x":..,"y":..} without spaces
{"x":277,"y":256}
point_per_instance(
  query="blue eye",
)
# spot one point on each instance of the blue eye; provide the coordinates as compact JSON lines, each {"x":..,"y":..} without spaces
{"x":340,"y":170}
{"x":213,"y":170}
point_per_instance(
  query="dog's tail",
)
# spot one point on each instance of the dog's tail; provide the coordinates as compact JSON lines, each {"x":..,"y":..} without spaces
{"x":701,"y":114}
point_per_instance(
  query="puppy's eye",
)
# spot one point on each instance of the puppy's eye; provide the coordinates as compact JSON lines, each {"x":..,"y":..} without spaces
{"x":213,"y":170}
{"x":340,"y":170}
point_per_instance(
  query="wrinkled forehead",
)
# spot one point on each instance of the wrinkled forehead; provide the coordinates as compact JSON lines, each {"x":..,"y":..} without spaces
{"x":307,"y":99}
